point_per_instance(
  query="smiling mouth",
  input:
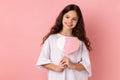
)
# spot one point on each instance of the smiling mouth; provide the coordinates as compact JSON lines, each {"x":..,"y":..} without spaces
{"x":69,"y":25}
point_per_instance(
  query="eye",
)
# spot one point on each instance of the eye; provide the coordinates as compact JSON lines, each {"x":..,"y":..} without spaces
{"x":67,"y":17}
{"x":74,"y":19}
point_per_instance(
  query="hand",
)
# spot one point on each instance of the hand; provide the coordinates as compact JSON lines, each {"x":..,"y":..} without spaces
{"x":59,"y":69}
{"x":61,"y":66}
{"x":66,"y":62}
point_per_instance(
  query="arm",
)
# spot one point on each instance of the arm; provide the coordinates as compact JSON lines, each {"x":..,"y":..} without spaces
{"x":83,"y":64}
{"x":76,"y":66}
{"x":44,"y":58}
{"x":53,"y":67}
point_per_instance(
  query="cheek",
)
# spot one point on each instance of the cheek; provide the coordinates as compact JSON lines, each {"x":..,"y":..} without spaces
{"x":64,"y":19}
{"x":75,"y":23}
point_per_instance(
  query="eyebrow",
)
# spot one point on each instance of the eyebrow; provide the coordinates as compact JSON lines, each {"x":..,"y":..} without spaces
{"x":69,"y":15}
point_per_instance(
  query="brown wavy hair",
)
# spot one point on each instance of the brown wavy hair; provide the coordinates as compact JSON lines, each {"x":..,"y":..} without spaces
{"x":78,"y":31}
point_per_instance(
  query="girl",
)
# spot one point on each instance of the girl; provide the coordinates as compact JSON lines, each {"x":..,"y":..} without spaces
{"x":75,"y":66}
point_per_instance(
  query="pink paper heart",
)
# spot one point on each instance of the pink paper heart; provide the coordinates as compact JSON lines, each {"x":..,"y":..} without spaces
{"x":71,"y":45}
{"x":68,"y":44}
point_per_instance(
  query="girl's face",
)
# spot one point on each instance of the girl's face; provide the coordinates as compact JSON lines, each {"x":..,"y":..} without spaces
{"x":70,"y":20}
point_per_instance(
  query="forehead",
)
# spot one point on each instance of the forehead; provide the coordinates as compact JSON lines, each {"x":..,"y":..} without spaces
{"x":71,"y":13}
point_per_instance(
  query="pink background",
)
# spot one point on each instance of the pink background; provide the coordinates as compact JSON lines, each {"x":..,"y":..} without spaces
{"x":23,"y":23}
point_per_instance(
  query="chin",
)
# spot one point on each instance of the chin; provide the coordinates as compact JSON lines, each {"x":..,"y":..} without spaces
{"x":69,"y":27}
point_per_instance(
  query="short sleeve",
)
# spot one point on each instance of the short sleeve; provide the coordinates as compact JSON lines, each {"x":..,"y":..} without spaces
{"x":44,"y":57}
{"x":85,"y":59}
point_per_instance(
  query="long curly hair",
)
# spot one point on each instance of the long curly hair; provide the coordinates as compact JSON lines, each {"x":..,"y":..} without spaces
{"x":78,"y":30}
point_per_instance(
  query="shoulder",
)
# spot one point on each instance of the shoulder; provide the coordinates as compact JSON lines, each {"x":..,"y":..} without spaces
{"x":52,"y":37}
{"x":82,"y":43}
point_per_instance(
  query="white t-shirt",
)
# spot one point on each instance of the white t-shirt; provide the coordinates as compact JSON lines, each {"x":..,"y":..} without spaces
{"x":50,"y":53}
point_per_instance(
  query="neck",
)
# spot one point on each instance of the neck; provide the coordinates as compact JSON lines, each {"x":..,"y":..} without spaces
{"x":66,"y":33}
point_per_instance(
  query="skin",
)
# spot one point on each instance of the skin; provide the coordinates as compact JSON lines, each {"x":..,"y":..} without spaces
{"x":69,"y":21}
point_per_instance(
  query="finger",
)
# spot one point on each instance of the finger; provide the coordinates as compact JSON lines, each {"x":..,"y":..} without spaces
{"x":63,"y":62}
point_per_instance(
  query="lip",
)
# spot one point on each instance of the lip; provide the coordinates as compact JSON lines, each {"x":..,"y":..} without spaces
{"x":69,"y":25}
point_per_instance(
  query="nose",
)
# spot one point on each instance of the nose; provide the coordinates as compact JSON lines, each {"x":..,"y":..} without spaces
{"x":70,"y":21}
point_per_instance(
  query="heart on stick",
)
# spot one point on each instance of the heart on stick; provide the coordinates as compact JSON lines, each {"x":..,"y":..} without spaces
{"x":68,"y":44}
